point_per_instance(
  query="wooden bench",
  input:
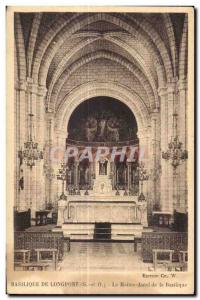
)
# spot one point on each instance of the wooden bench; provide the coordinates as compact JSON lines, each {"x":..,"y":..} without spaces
{"x":32,"y":240}
{"x":176,"y":241}
{"x":25,"y":254}
{"x":175,"y":266}
{"x":182,"y":256}
{"x":34,"y":266}
{"x":156,"y":261}
{"x":52,"y":252}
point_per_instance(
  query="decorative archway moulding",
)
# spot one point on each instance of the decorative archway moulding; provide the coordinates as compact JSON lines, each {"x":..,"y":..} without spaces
{"x":95,"y":89}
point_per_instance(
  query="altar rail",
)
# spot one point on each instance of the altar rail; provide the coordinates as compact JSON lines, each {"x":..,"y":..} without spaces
{"x":32,"y":240}
{"x":177,"y":241}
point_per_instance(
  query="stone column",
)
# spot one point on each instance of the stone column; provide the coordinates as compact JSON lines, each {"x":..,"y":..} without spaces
{"x":58,"y":153}
{"x":21,"y":110}
{"x":62,"y":206}
{"x":37,"y":188}
{"x":155,"y":162}
{"x":168,"y":182}
{"x":144,"y":156}
{"x":50,"y":172}
{"x":162,"y":91}
{"x":171,"y":179}
{"x":182,"y":204}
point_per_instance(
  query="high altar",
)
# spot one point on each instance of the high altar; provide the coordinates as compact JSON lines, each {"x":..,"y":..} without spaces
{"x":80,"y":212}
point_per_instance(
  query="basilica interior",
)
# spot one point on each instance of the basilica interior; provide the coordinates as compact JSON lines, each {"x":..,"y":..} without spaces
{"x":101,"y":138}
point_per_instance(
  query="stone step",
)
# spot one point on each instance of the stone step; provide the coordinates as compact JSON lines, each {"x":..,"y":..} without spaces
{"x":87,"y":231}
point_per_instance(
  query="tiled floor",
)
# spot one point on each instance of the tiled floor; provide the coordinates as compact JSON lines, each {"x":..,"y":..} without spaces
{"x":103,"y":256}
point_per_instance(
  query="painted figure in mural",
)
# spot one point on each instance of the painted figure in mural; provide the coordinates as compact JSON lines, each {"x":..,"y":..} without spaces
{"x":90,"y":129}
{"x":102,"y":129}
{"x":113,"y":129}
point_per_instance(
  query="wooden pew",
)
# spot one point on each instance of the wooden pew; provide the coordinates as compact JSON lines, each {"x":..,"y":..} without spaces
{"x":32,"y":240}
{"x":176,"y":241}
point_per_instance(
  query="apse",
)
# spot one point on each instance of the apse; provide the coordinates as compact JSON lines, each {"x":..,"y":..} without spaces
{"x":102,"y":119}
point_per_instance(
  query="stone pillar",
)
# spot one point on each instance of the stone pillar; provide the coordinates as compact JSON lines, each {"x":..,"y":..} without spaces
{"x":144,"y":156}
{"x":58,"y":153}
{"x":164,"y":145}
{"x":155,"y":162}
{"x":30,"y":96}
{"x":49,"y":172}
{"x":62,"y":206}
{"x":37,"y":185}
{"x":21,"y":196}
{"x":182,"y":201}
{"x":168,"y":97}
{"x":171,"y":182}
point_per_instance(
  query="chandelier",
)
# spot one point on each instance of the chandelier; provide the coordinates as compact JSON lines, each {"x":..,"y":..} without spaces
{"x":175,"y":153}
{"x":142,"y":176}
{"x":31,"y":153}
{"x":62,"y":175}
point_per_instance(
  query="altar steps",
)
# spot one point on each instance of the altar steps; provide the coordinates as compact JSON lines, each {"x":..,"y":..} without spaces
{"x":90,"y":231}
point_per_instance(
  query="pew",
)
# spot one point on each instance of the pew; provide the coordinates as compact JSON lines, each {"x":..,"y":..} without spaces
{"x":176,"y":241}
{"x":31,"y":240}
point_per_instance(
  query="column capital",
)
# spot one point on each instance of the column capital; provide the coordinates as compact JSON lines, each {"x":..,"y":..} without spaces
{"x":33,"y":88}
{"x":142,"y":133}
{"x":49,"y":115}
{"x":42,"y":90}
{"x":21,"y":85}
{"x":182,"y":84}
{"x":171,"y":88}
{"x":155,"y":113}
{"x":50,"y":108}
{"x":162,"y":91}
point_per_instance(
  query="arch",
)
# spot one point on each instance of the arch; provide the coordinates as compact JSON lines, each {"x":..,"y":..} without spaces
{"x":66,"y":58}
{"x":16,"y":69}
{"x":53,"y":31}
{"x":113,"y":57}
{"x":95,"y":89}
{"x":124,"y":46}
{"x":32,"y":40}
{"x":100,"y":107}
{"x":171,"y":38}
{"x":158,"y":42}
{"x":183,"y":50}
{"x":20,"y":48}
{"x":43,"y":62}
{"x":160,"y":73}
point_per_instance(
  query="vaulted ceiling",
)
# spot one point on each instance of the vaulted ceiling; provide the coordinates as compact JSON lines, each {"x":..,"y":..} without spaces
{"x":61,"y":51}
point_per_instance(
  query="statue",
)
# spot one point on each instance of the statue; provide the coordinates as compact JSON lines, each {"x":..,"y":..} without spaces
{"x":103,"y":167}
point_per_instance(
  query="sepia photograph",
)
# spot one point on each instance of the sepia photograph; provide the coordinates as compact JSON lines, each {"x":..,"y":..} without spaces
{"x":100,"y":170}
